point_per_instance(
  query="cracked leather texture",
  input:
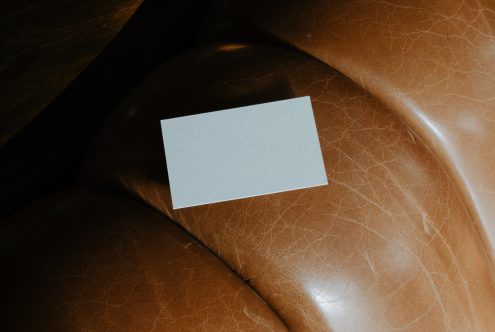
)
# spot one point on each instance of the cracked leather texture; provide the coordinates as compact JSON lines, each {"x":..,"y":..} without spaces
{"x":87,"y":261}
{"x":390,"y":244}
{"x":431,"y":62}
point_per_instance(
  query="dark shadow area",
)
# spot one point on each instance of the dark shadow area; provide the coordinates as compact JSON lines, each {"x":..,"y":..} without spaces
{"x":45,"y":155}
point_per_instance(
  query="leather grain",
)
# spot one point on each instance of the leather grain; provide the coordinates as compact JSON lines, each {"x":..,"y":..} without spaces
{"x":86,"y":261}
{"x":431,"y":62}
{"x":389,"y":244}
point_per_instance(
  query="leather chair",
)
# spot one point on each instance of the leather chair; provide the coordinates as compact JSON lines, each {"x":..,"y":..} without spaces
{"x":401,"y":239}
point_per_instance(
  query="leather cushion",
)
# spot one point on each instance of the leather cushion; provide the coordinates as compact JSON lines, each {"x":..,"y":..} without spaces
{"x":388,"y":244}
{"x":86,"y":261}
{"x":431,"y":61}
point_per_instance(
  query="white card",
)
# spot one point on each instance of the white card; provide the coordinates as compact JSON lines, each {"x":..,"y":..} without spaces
{"x":242,"y":152}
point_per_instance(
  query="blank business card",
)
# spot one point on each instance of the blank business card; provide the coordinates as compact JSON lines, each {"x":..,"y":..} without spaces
{"x":242,"y":152}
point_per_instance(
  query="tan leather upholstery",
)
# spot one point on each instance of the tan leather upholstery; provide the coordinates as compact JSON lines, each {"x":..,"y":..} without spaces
{"x":431,"y":61}
{"x":388,"y":244}
{"x":398,"y":241}
{"x":96,"y":262}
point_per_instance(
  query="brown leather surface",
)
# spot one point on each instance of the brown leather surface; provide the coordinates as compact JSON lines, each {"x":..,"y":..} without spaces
{"x":45,"y":46}
{"x":389,"y":244}
{"x":431,"y":61}
{"x":95,"y":262}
